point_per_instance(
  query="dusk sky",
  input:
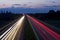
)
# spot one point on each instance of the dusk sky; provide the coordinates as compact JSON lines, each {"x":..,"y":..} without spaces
{"x":30,"y":4}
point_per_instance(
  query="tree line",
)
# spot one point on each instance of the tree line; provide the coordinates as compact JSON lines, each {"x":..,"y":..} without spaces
{"x":51,"y":15}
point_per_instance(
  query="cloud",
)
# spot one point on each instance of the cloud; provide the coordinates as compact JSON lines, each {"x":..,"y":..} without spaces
{"x":25,"y":4}
{"x":17,"y":4}
{"x":29,"y":2}
{"x":5,"y":5}
{"x":53,"y":1}
{"x":53,"y":6}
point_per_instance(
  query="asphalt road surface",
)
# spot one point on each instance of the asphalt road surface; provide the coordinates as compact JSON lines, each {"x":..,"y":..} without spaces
{"x":29,"y":28}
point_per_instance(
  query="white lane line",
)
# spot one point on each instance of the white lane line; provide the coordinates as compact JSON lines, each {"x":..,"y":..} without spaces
{"x":33,"y":30}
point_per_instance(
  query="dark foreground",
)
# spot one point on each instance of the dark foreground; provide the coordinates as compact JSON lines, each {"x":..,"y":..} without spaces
{"x":34,"y":27}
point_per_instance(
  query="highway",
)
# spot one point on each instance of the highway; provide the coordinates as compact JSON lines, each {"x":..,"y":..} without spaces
{"x":28,"y":33}
{"x":7,"y":26}
{"x":12,"y":31}
{"x":29,"y":28}
{"x":43,"y":31}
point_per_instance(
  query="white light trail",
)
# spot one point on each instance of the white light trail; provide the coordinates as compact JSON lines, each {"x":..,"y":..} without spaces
{"x":12,"y":31}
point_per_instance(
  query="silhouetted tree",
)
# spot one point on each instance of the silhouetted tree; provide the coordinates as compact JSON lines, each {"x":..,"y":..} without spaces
{"x":51,"y":11}
{"x":58,"y":12}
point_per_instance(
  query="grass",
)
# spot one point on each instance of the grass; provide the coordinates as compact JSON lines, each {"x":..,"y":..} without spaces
{"x":55,"y":23}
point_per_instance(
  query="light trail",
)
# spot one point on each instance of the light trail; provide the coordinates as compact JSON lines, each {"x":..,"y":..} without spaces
{"x":12,"y":31}
{"x":7,"y":26}
{"x":34,"y":30}
{"x":41,"y":32}
{"x":49,"y":31}
{"x":38,"y":30}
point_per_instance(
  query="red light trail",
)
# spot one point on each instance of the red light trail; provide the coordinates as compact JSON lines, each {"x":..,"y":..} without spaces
{"x":49,"y":31}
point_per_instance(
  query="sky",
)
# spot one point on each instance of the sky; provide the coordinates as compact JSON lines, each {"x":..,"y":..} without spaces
{"x":30,"y":4}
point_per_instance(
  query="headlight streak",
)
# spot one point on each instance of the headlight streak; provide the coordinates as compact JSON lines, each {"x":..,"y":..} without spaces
{"x":12,"y":31}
